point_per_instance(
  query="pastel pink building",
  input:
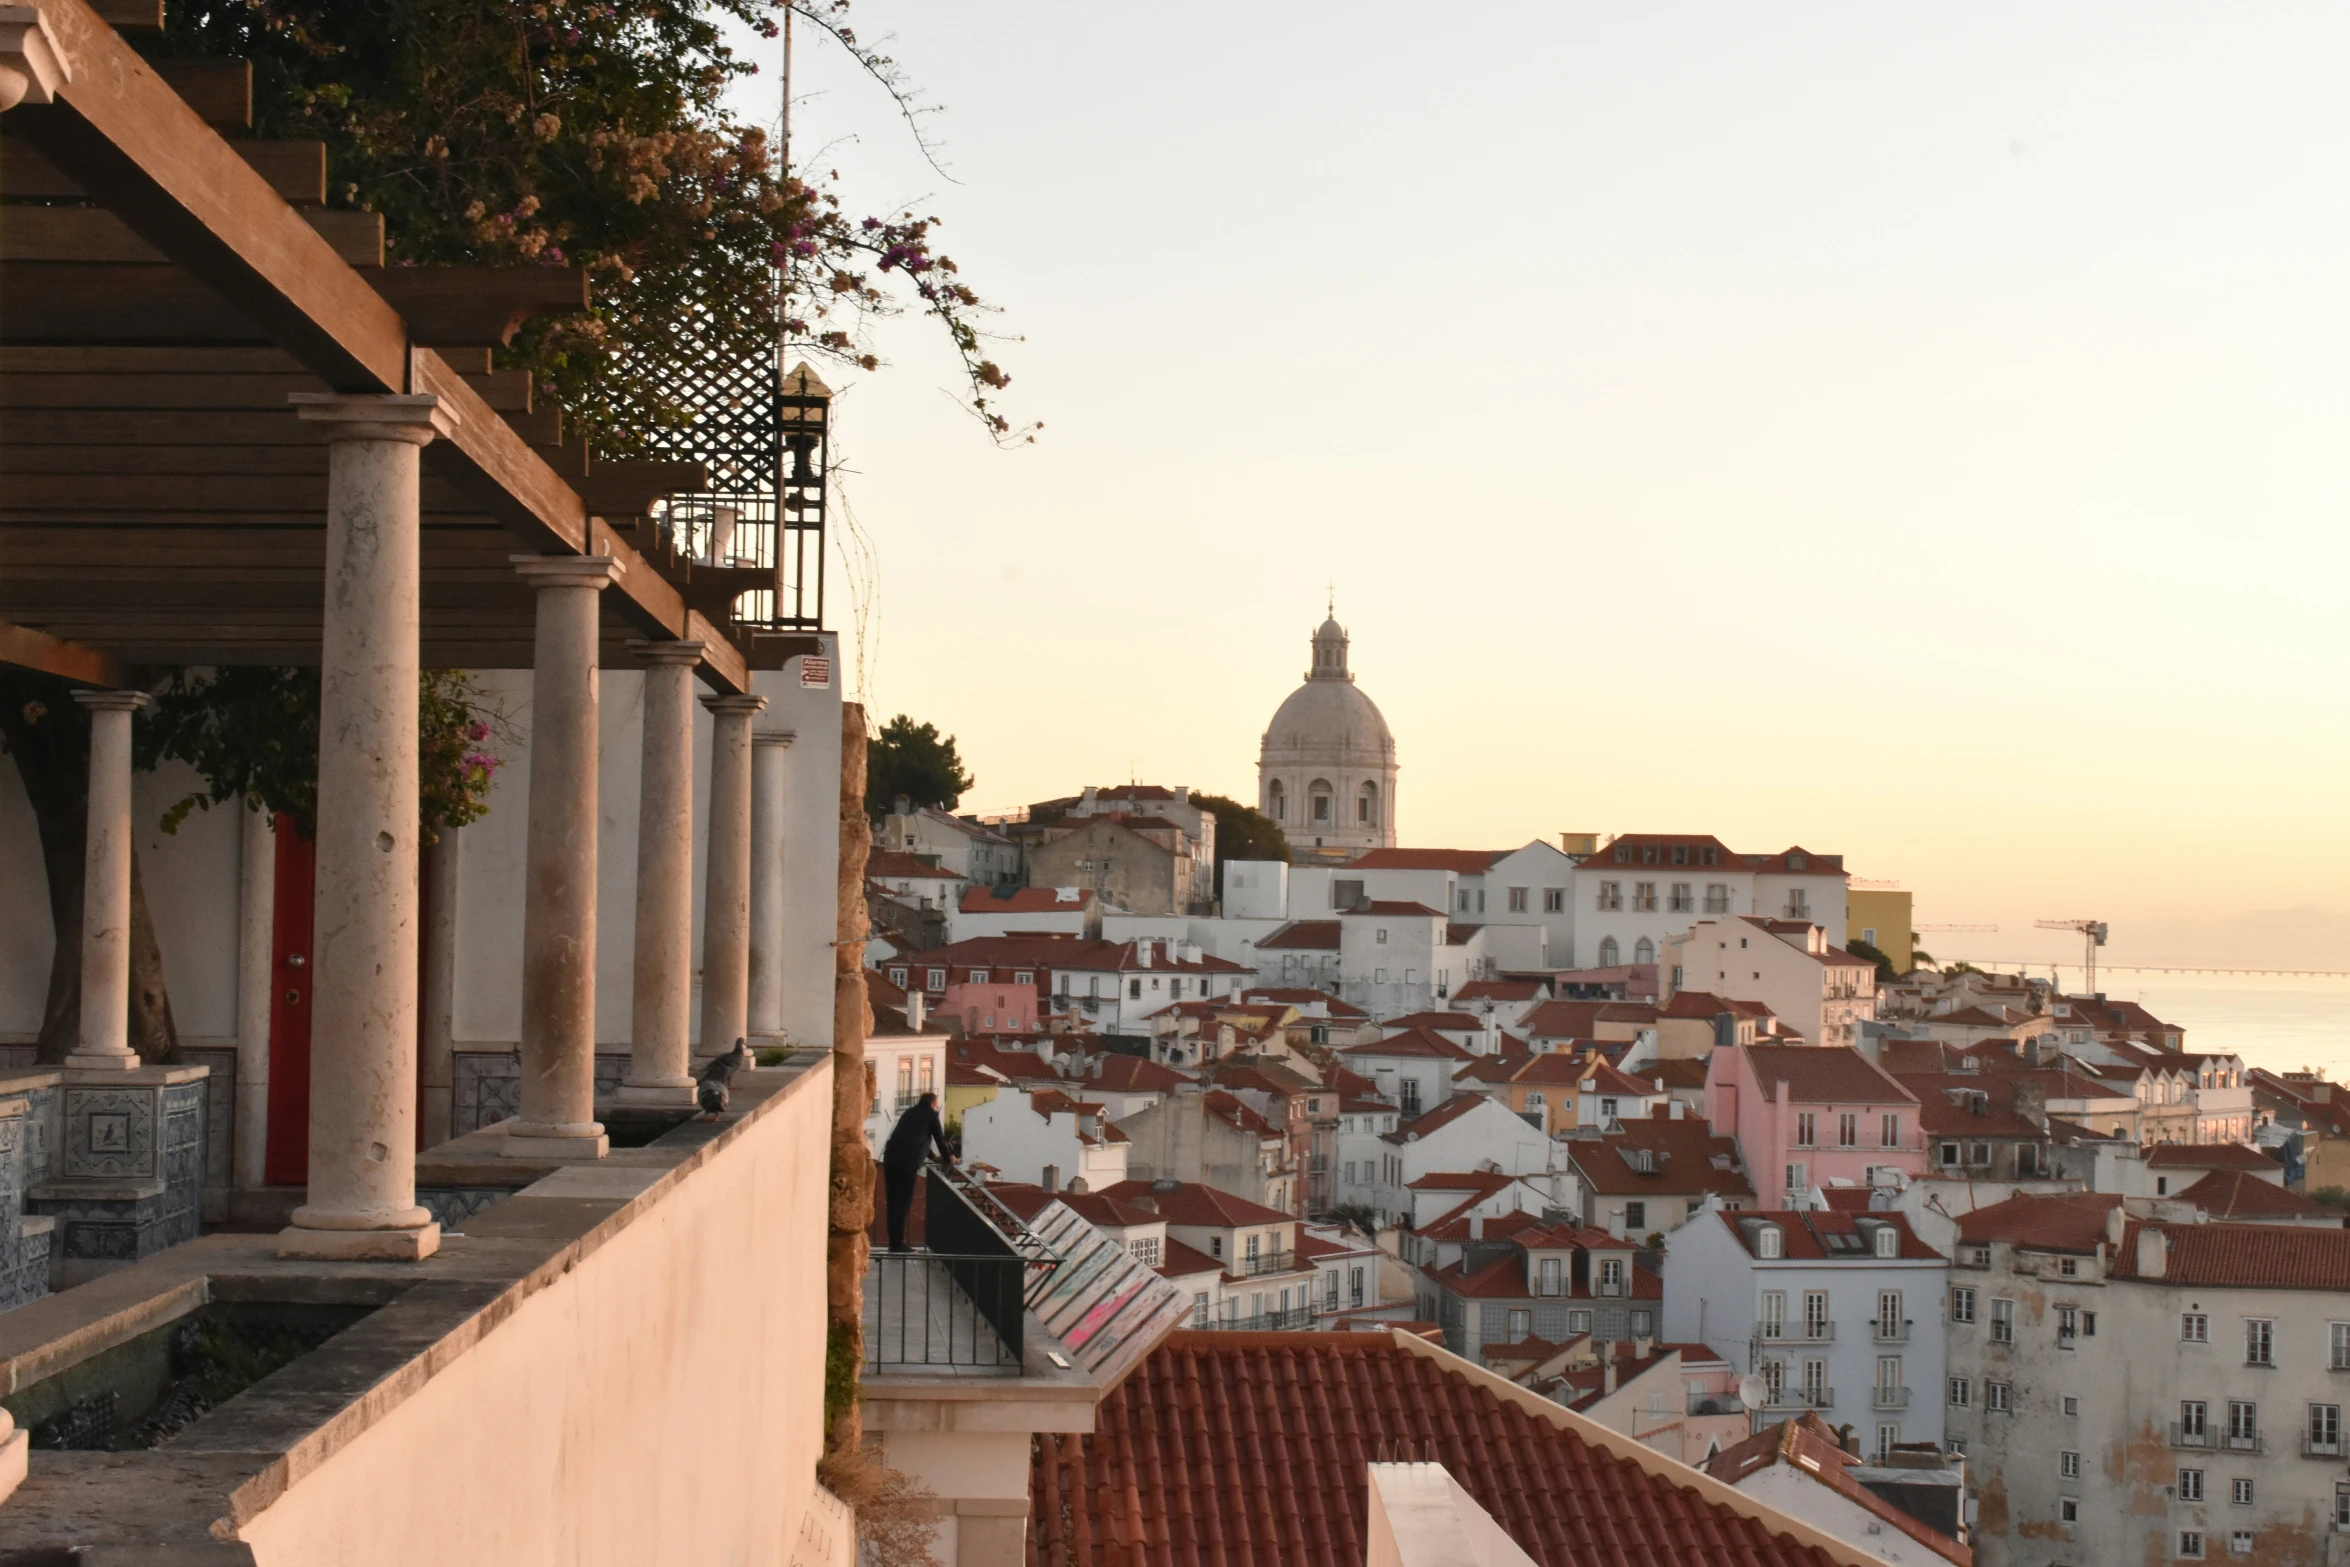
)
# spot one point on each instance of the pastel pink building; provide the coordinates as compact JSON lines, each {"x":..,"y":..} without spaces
{"x":1813,"y":1115}
{"x":980,"y":1007}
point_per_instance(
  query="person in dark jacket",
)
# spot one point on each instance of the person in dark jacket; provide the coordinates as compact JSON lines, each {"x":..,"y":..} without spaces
{"x":918,"y":1131}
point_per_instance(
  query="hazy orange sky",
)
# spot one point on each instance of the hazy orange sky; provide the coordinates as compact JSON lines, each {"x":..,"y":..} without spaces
{"x":1912,"y":434}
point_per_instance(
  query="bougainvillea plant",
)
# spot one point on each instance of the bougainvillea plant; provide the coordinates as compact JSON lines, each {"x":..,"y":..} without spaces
{"x":560,"y":132}
{"x":252,"y":733}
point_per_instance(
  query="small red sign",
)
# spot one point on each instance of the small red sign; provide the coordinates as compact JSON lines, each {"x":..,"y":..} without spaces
{"x":815,"y":673}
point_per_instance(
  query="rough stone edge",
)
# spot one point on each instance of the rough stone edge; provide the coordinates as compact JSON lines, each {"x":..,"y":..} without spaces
{"x":851,"y":1207}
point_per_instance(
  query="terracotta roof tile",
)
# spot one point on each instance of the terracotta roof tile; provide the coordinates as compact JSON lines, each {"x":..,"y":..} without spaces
{"x":1823,"y":1074}
{"x":1302,"y":998}
{"x":1457,"y":1022}
{"x":1234,"y":1449}
{"x":1464,"y":862}
{"x":1303,"y":935}
{"x":1813,"y":1235}
{"x":2209,"y":1156}
{"x":1806,"y":1445}
{"x":1412,"y":1042}
{"x":2058,"y":1221}
{"x":2244,"y":1256}
{"x":1196,"y":1204}
{"x":1025,"y":900}
{"x":882,"y":864}
{"x":1500,"y":990}
{"x":1684,"y":1157}
{"x":2240,"y":1194}
{"x":1581,"y":1019}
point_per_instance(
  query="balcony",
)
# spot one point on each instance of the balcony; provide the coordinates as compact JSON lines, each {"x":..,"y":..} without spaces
{"x":2242,"y":1444}
{"x":1889,"y":1398}
{"x":1295,"y":1320}
{"x":1885,"y":1332}
{"x":1268,"y":1262}
{"x":2180,"y":1436}
{"x":1796,"y":1333}
{"x":1715,"y":1404}
{"x":2322,"y":1446}
{"x":958,"y":1307}
{"x":1799,"y":1399}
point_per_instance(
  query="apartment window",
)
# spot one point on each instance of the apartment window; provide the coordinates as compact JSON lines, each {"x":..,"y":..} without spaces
{"x":1848,"y":1130}
{"x":938,"y":979}
{"x":1796,"y":1183}
{"x":2195,"y":1328}
{"x":1774,"y":1314}
{"x":1517,"y":900}
{"x":1815,"y":1313}
{"x":2240,"y":1492}
{"x":2003,"y":1322}
{"x":2260,"y":1341}
{"x":2240,"y":1542}
{"x":1717,"y":897}
{"x":1199,"y":1309}
{"x":1962,"y":1394}
{"x":1554,"y":900}
{"x":2244,"y":1424}
{"x":2342,"y":1506}
{"x":1774,"y":1375}
{"x":1611,"y":1276}
{"x":1995,"y":1397}
{"x":1889,"y":1130}
{"x":1806,"y":1132}
{"x":2191,"y":1543}
{"x":2325,"y":1430}
{"x":1354,"y":1286}
{"x":2072,"y":1406}
{"x":2340,"y":1335}
{"x":1950,"y":1155}
{"x":1635,"y":1213}
{"x":1330,"y":1292}
{"x":1134,"y":990}
{"x":2192,"y":1413}
{"x":2190,"y":1485}
{"x":2068,"y":1466}
{"x":1643,"y":1324}
{"x":1956,"y":1444}
{"x":1611,"y":897}
{"x":1888,"y":1378}
{"x":1252,"y":1243}
{"x":1766,"y":1241}
{"x":1145,"y":1250}
{"x":1521,"y":1326}
{"x":1683,"y":901}
{"x":1549,"y":1278}
{"x":1887,"y":1436}
{"x":1644,"y":897}
{"x":1888,"y":1313}
{"x":2068,"y":1510}
{"x":1815,"y":1383}
{"x":1578,"y":1322}
{"x":1607,"y":1109}
{"x":1962,"y":1305}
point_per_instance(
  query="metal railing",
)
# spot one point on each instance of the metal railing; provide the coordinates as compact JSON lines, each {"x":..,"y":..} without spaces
{"x":1290,"y":1321}
{"x":2242,"y":1444}
{"x":1801,"y":1398}
{"x":1796,"y":1333}
{"x":2180,"y":1436}
{"x":1716,"y":1404}
{"x":1891,"y":1398}
{"x":1267,"y":1262}
{"x":1891,"y":1332}
{"x":2321,"y":1446}
{"x":960,"y":1303}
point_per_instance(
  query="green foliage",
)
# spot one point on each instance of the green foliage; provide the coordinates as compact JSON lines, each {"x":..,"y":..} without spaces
{"x":1862,"y":949}
{"x":253,"y":734}
{"x":916,"y":761}
{"x":1919,"y":957}
{"x":592,"y":133}
{"x":2332,"y":1197}
{"x":1242,"y":832}
{"x":844,"y":1363}
{"x":1360,"y":1215}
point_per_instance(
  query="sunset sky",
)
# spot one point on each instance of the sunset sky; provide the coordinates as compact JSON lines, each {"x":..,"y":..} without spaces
{"x":1919,"y":435}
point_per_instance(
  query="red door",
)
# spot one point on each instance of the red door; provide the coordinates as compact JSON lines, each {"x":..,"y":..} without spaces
{"x":288,"y":1159}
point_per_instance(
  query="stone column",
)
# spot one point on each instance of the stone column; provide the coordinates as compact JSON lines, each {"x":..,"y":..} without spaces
{"x":362,"y":1197}
{"x":726,"y":884}
{"x":661,"y":1006}
{"x":444,"y":860}
{"x":105,"y":1039}
{"x":558,"y":1118}
{"x":765,"y":1010}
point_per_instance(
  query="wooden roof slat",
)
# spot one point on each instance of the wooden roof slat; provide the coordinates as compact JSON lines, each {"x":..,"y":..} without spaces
{"x":30,"y":649}
{"x":93,"y":234}
{"x":479,"y":307}
{"x":296,"y":170}
{"x":220,"y":91}
{"x":132,"y":15}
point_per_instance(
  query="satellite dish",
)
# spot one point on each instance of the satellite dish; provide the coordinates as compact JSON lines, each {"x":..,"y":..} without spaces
{"x":1751,"y":1390}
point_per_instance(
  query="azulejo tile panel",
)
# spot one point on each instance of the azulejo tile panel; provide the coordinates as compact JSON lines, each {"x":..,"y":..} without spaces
{"x":109,"y":1133}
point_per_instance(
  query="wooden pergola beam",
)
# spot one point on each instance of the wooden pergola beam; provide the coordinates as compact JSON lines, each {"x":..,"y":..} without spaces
{"x":30,"y":649}
{"x":119,"y":131}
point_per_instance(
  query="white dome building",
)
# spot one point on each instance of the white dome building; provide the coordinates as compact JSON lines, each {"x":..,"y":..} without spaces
{"x":1326,"y":772}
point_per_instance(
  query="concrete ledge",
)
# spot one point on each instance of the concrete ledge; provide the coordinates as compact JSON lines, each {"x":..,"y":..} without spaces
{"x":96,"y":1190}
{"x":200,"y":1488}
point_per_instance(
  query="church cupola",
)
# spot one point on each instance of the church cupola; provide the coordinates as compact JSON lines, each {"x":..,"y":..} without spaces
{"x":1329,"y":652}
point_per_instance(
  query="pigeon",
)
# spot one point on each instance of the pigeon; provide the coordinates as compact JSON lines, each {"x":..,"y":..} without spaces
{"x":710,"y":1090}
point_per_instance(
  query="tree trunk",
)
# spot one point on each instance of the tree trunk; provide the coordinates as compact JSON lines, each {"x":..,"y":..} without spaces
{"x":47,"y":733}
{"x":852,"y":1019}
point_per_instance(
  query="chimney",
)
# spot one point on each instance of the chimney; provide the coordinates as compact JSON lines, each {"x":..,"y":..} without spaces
{"x":2153,"y":1252}
{"x":1146,"y":1204}
{"x":1641,"y":1348}
{"x":1051,"y":1181}
{"x":1476,"y":1226}
{"x":1607,"y":1372}
{"x":1142,"y":954}
{"x":1087,"y":799}
{"x":1676,"y":1108}
{"x":2032,"y":1051}
{"x":915,"y":1008}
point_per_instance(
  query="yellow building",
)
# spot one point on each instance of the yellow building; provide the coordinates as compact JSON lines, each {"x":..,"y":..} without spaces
{"x":1879,"y":914}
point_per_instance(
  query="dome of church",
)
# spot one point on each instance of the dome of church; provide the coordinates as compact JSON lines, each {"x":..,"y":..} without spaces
{"x":1326,"y":771}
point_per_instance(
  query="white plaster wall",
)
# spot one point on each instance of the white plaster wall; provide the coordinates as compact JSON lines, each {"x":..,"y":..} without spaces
{"x":192,"y":890}
{"x":811,"y":835}
{"x":1801,"y":1497}
{"x":697,"y":1442}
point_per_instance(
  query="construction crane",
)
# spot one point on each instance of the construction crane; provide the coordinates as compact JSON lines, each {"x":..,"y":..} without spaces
{"x":1954,"y":927}
{"x":2092,"y":934}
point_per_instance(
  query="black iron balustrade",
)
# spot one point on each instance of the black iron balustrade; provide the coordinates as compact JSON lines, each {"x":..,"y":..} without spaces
{"x":959,"y":1304}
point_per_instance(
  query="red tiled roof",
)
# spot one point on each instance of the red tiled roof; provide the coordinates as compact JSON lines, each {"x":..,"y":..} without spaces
{"x":1457,"y":1022}
{"x":2243,"y":1256}
{"x":1682,"y":1159}
{"x":1695,"y":1004}
{"x":1505,"y":1278}
{"x":1235,"y":1112}
{"x":1581,"y":1019}
{"x":1664,"y":842}
{"x":1464,"y":862}
{"x":1461,"y":1181}
{"x":1025,"y":900}
{"x":1807,"y":1446}
{"x":2209,"y":1156}
{"x":1116,"y":1072}
{"x":2239,"y":1194}
{"x":1805,"y":1235}
{"x":1823,"y":1074}
{"x":881,"y":864}
{"x":1198,"y":1459}
{"x":1398,"y":908}
{"x":1105,"y":1212}
{"x":1179,"y":1261}
{"x":2059,"y":1221}
{"x":1946,"y":1104}
{"x":1197,"y":1204}
{"x":1500,"y":990}
{"x":1308,"y":935}
{"x":1414,"y":1042}
{"x":1302,"y":998}
{"x":1675,"y":1072}
{"x":1782,"y":863}
{"x":1442,"y":1116}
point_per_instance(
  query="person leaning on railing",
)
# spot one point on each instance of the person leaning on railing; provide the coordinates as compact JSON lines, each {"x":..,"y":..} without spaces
{"x":917,"y":1132}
